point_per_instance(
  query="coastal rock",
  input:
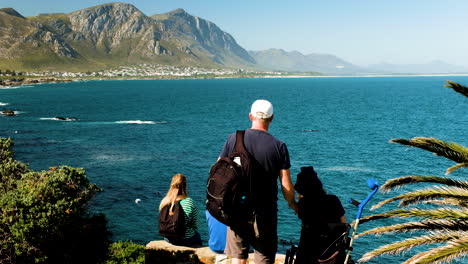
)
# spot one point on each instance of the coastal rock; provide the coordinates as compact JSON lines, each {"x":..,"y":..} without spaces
{"x":23,"y":81}
{"x":9,"y":112}
{"x":164,"y":252}
{"x":66,"y":118}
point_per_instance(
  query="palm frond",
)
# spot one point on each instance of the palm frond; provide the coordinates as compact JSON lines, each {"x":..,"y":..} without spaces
{"x":426,"y":194}
{"x":407,"y":244}
{"x":449,"y":150}
{"x":456,"y":167}
{"x":444,"y":254}
{"x":440,"y":213}
{"x":438,"y":224}
{"x":451,"y":202}
{"x":443,"y":218}
{"x":457,"y":87}
{"x":400,"y":181}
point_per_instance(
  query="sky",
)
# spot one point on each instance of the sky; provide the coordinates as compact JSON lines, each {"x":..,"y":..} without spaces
{"x":362,"y":32}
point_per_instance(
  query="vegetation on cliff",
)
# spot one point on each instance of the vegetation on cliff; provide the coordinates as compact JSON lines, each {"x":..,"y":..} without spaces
{"x":44,"y":218}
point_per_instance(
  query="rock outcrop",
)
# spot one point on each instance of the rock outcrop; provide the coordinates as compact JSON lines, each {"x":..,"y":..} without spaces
{"x":164,"y":252}
{"x":8,"y":112}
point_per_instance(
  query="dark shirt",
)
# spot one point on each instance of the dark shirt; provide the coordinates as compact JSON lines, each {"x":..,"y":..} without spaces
{"x":271,"y":153}
{"x":315,"y":211}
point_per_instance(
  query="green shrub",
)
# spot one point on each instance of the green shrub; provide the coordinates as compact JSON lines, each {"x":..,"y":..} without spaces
{"x":125,"y":253}
{"x":43,"y":215}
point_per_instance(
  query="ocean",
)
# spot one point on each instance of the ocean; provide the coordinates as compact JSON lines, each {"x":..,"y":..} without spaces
{"x":132,"y":136}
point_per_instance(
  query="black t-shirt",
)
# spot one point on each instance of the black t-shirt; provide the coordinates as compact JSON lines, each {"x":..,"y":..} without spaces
{"x":271,"y":153}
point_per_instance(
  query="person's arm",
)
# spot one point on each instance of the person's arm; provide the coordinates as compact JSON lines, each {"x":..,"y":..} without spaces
{"x":288,"y":189}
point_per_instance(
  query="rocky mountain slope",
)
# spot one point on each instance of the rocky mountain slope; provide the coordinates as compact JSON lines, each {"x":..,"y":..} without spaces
{"x":112,"y":35}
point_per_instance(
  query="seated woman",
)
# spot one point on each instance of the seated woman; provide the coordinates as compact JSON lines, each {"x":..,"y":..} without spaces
{"x":216,"y":234}
{"x":323,"y":221}
{"x":178,"y":193}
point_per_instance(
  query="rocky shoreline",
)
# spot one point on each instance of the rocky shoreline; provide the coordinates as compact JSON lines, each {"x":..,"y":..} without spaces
{"x":25,"y":81}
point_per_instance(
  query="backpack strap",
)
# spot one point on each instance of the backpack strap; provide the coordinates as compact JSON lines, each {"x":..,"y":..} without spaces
{"x":240,"y":147}
{"x":247,"y":168}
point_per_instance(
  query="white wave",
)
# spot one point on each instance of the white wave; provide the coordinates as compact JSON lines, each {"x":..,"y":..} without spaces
{"x":2,"y":104}
{"x":10,"y":87}
{"x":58,"y":119}
{"x":139,"y":122}
{"x":113,"y":157}
{"x":348,"y":168}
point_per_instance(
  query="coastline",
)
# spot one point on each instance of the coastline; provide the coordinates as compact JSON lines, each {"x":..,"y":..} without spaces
{"x":19,"y":81}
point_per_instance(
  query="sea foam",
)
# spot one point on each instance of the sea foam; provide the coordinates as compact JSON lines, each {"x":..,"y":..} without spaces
{"x":349,"y":168}
{"x":139,"y":122}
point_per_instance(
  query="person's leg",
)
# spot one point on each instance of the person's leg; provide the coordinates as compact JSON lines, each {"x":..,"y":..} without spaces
{"x":265,"y":242}
{"x":237,"y":244}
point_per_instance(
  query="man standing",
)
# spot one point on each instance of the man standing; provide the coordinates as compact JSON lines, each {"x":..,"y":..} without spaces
{"x":272,"y":154}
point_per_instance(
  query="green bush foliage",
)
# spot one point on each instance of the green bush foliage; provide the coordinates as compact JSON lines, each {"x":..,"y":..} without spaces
{"x":125,"y":253}
{"x":43,"y":214}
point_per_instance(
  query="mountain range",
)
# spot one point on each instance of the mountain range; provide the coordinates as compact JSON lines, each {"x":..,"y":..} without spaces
{"x":112,"y":35}
{"x":118,"y":34}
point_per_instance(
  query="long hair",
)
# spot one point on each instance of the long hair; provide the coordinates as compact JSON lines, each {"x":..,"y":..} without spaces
{"x":308,"y":183}
{"x":177,"y":191}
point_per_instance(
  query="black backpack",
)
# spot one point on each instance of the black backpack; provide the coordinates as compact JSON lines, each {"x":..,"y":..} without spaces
{"x":228,"y":192}
{"x":172,"y":226}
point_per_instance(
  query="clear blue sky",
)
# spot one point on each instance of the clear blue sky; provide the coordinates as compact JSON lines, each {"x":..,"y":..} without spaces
{"x":360,"y":31}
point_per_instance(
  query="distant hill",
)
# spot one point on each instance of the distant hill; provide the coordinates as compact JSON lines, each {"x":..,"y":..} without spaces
{"x":294,"y":61}
{"x":111,"y":35}
{"x":434,"y":67}
{"x":11,"y":12}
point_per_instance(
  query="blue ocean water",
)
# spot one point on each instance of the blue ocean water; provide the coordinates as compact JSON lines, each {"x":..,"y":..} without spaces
{"x":133,"y":136}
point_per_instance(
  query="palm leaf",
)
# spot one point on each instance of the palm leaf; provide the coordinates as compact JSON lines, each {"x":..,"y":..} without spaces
{"x":447,"y":201}
{"x":457,"y":87}
{"x":449,"y":150}
{"x":398,"y":182}
{"x":426,"y":194}
{"x":455,"y":167}
{"x":438,"y":224}
{"x":452,"y":250}
{"x":440,"y":213}
{"x":447,"y":225}
{"x":407,"y":244}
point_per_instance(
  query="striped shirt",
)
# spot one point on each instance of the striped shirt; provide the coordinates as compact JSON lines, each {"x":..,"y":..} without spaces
{"x":191,"y":217}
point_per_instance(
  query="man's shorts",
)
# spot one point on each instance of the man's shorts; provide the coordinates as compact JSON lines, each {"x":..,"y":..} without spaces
{"x":261,"y":234}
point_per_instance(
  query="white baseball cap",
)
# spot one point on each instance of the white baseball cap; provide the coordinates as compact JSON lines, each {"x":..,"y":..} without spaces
{"x":262,"y":109}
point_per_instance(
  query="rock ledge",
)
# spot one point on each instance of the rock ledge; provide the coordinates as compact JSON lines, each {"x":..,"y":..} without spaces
{"x":164,"y":252}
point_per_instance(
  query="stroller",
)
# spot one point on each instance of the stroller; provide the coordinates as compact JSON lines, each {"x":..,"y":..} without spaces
{"x":331,"y":246}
